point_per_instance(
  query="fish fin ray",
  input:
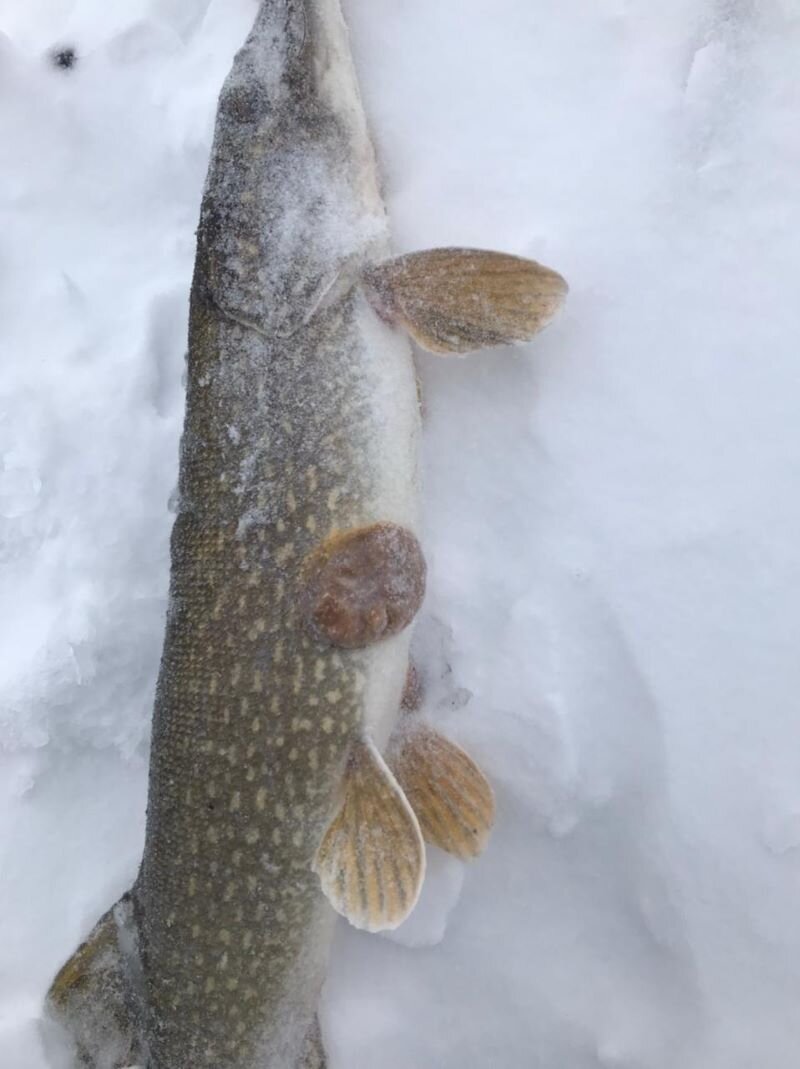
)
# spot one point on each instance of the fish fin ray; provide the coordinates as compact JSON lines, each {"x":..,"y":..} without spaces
{"x":452,"y":798}
{"x":455,"y":300}
{"x":371,"y":861}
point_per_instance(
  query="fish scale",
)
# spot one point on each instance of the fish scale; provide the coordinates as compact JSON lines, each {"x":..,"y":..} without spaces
{"x":275,"y":789}
{"x":253,"y":718}
{"x":301,"y":423}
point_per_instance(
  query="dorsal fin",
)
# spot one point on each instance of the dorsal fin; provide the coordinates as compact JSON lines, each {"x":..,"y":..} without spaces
{"x":451,"y":797}
{"x":371,"y":860}
{"x":459,"y":300}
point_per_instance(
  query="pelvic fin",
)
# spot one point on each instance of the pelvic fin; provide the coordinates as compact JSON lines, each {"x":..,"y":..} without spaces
{"x":371,"y":861}
{"x":451,"y":797}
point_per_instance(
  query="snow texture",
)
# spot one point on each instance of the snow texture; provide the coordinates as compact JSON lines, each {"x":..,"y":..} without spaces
{"x":611,"y":515}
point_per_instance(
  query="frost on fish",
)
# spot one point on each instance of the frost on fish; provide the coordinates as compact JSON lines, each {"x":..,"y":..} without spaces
{"x":292,"y":220}
{"x":255,"y":715}
{"x":93,"y":999}
{"x":295,"y":574}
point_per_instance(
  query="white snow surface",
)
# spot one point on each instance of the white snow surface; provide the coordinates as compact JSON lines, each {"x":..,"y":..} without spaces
{"x":612,"y":518}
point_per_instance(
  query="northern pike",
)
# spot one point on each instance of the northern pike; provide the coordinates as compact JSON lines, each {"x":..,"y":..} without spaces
{"x":295,"y":572}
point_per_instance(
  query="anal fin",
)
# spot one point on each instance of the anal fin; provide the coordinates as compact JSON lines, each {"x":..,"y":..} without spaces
{"x":451,"y":797}
{"x":371,"y":860}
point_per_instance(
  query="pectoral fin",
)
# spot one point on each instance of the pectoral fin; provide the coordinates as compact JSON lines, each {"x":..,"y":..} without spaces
{"x":458,"y":300}
{"x":371,"y":861}
{"x":448,"y":792}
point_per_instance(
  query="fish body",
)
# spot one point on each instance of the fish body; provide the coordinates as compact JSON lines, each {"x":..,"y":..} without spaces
{"x":301,"y":423}
{"x":275,"y":790}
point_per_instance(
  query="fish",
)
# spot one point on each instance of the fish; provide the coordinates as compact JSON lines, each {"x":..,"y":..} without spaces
{"x":291,"y":778}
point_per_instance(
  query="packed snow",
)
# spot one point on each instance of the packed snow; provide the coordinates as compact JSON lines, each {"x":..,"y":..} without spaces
{"x":611,"y":514}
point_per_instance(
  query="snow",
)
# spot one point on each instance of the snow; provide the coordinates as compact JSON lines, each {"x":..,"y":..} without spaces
{"x":611,"y":515}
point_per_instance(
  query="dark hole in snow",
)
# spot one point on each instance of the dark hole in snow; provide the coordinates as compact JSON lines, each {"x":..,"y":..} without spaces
{"x":64,"y":58}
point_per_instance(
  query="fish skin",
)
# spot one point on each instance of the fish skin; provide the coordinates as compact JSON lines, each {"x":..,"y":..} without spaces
{"x":301,"y":423}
